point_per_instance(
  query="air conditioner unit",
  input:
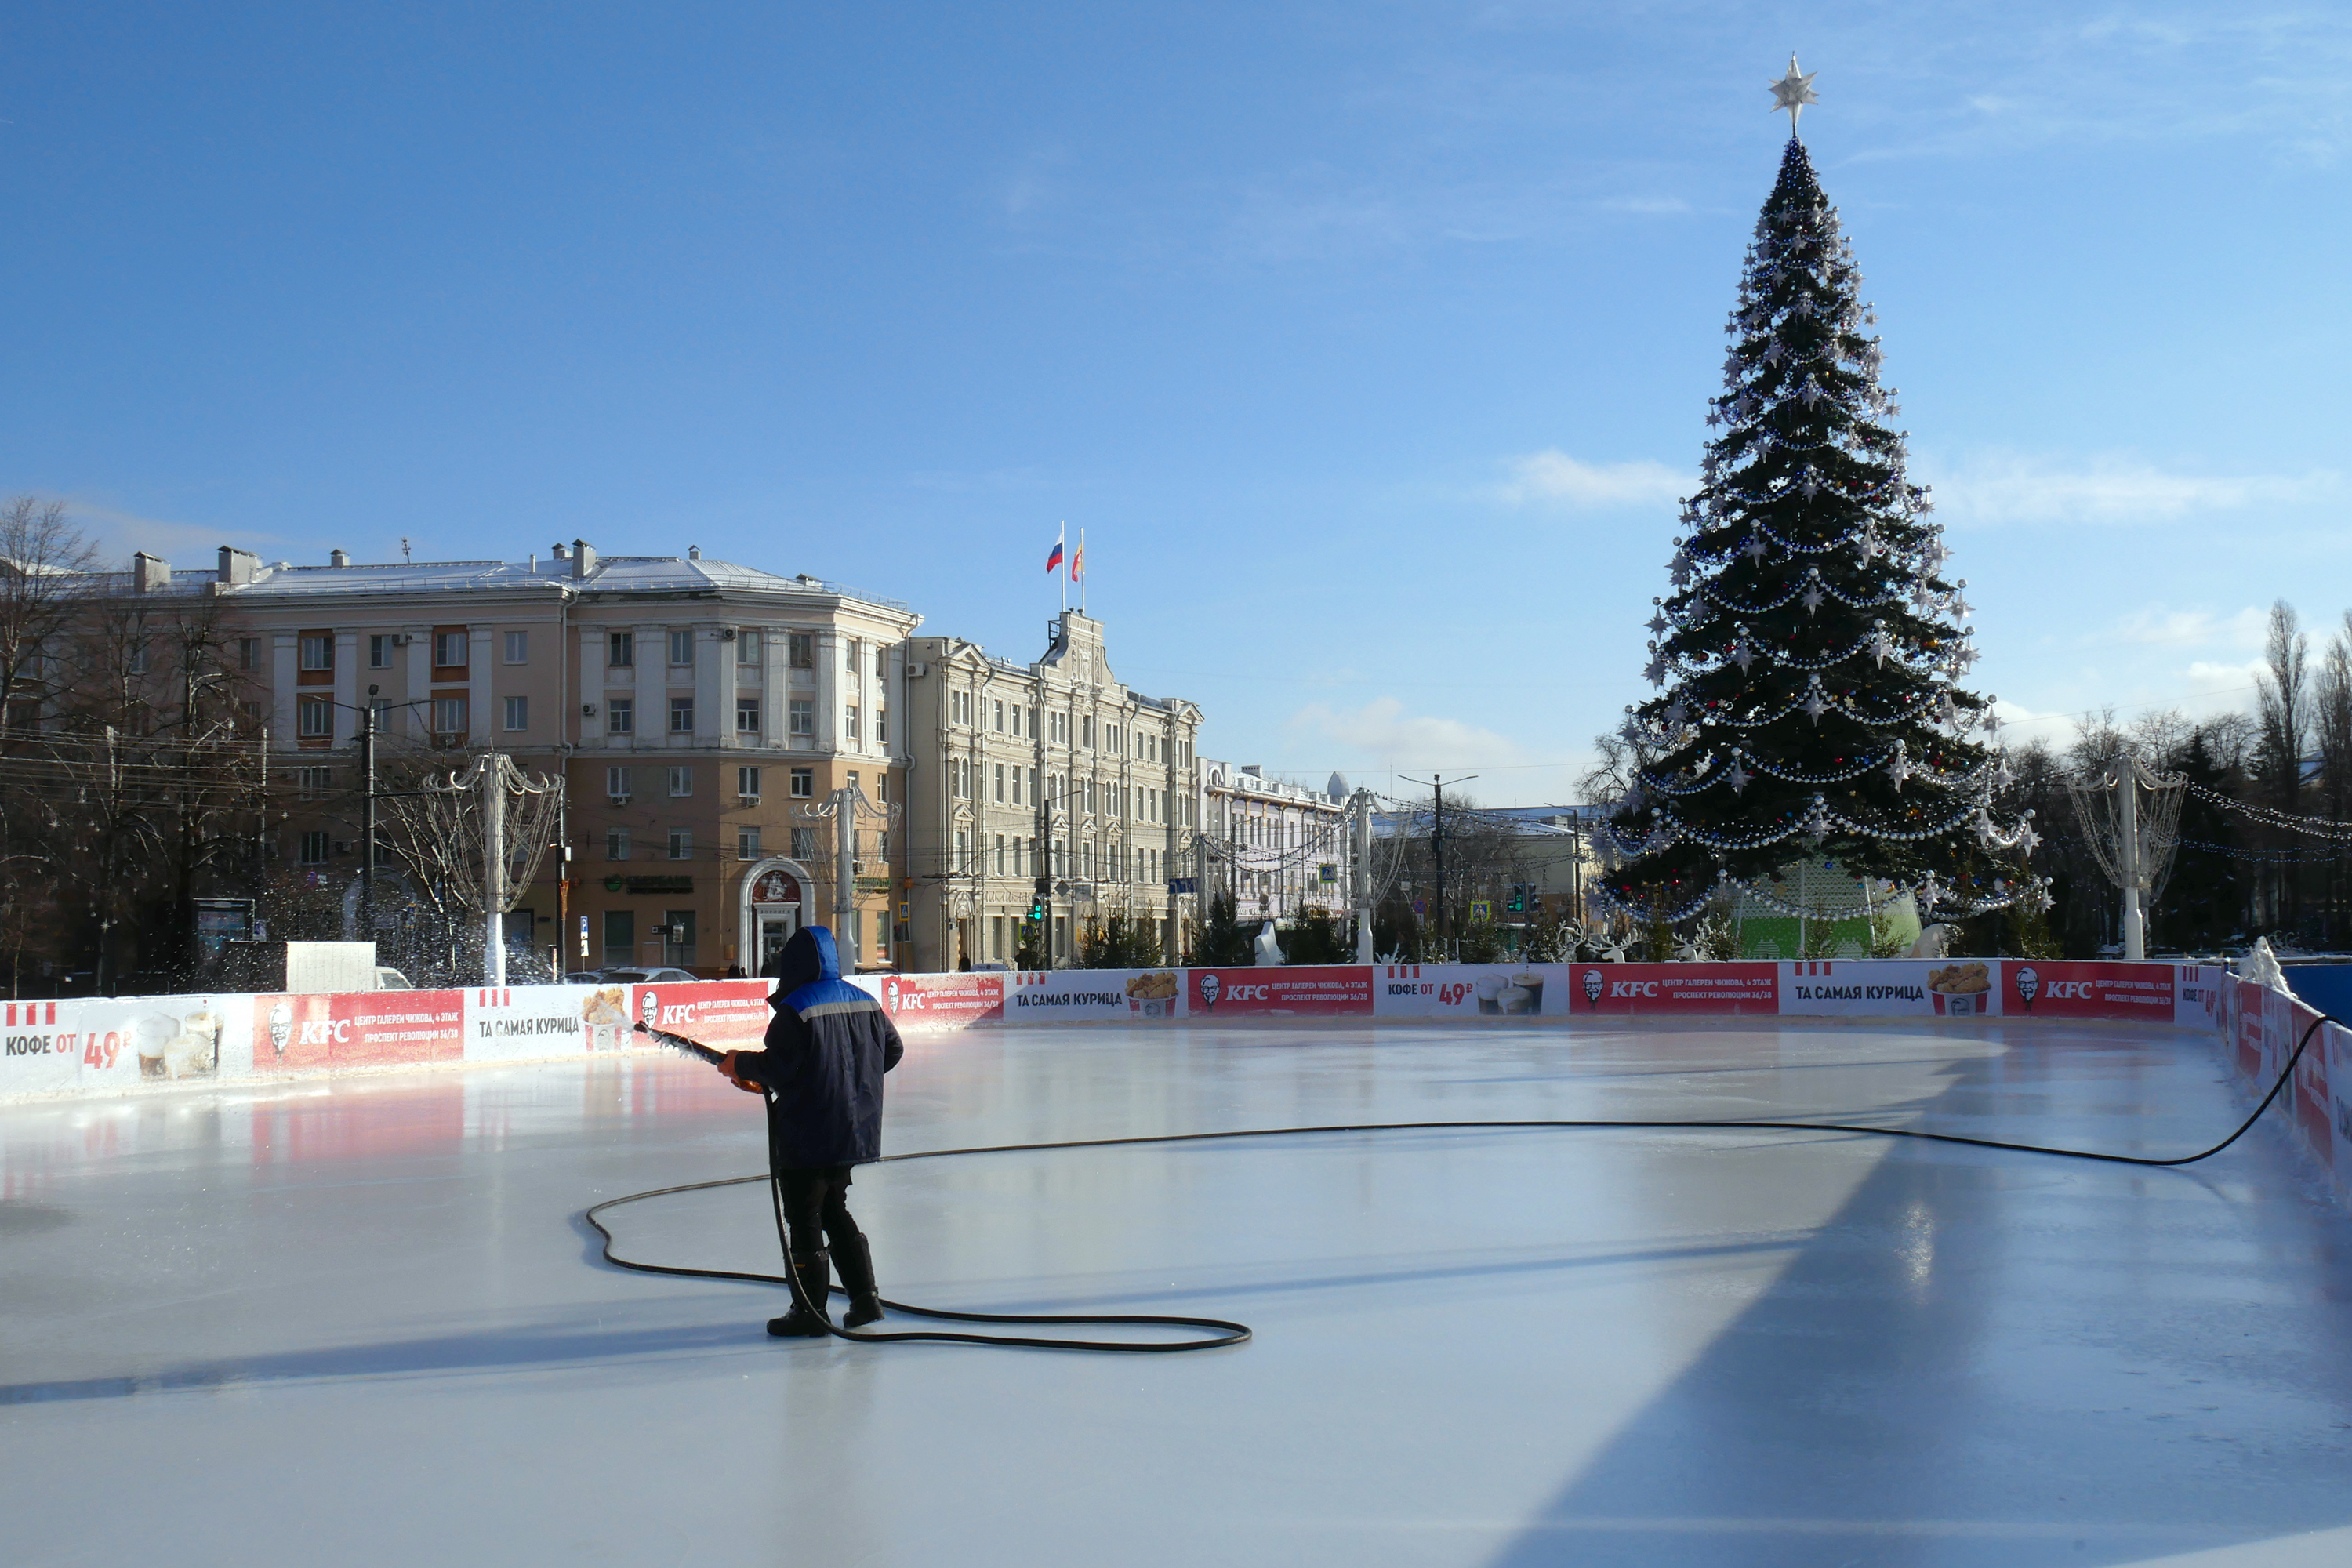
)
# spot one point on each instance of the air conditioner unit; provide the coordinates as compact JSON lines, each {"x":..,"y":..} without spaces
{"x":619,"y":799}
{"x":587,"y":711}
{"x":916,"y":672}
{"x":446,"y":742}
{"x":727,"y":633}
{"x":400,"y":639}
{"x":342,"y":846}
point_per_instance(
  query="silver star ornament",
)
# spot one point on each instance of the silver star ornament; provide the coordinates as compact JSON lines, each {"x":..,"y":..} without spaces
{"x":1792,"y":92}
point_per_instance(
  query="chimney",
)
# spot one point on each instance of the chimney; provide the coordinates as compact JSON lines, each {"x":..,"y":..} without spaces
{"x":338,"y":558}
{"x":237,"y":565}
{"x":560,"y":553}
{"x":694,"y":552}
{"x":583,"y":559}
{"x":150,"y":573}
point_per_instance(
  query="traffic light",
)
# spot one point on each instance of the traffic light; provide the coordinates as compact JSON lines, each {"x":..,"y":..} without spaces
{"x":1519,"y":901}
{"x":1036,"y":911}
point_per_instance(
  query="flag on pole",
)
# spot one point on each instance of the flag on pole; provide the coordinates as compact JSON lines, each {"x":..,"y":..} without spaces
{"x":1079,"y":561}
{"x":1056,"y":559}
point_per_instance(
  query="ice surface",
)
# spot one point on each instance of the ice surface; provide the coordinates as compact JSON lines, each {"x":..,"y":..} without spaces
{"x":358,"y":1321}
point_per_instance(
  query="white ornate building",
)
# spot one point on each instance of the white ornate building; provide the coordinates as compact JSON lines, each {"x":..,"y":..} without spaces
{"x":1277,"y":847}
{"x":1048,"y":784}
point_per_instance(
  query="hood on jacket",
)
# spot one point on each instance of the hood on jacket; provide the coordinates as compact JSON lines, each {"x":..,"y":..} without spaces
{"x":807,"y":958}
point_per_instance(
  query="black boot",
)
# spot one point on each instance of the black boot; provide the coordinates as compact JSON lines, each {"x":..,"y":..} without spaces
{"x":809,"y":1269}
{"x":855,"y":1261}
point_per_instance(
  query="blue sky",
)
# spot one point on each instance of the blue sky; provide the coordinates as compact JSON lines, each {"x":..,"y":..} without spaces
{"x":1369,"y":343}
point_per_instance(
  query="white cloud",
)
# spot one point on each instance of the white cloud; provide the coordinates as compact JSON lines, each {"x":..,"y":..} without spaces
{"x":1552,"y":477}
{"x":2009,"y":488}
{"x":2165,"y":626}
{"x":117,"y":533}
{"x":1383,"y":735}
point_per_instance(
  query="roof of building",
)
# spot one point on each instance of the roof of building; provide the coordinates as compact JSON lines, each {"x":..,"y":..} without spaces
{"x":607,"y":574}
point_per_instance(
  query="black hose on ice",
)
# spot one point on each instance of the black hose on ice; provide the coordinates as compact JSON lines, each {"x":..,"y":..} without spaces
{"x":1232,"y":1333}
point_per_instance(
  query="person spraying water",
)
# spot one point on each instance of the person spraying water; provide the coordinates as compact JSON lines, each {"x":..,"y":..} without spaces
{"x":820,"y":1071}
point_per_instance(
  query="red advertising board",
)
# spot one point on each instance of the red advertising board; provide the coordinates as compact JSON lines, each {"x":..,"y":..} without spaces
{"x":2057,"y":988}
{"x":1322,"y":991}
{"x":943,"y":1001}
{"x":715,"y":1012}
{"x":357,"y":1028}
{"x":1726,"y":988}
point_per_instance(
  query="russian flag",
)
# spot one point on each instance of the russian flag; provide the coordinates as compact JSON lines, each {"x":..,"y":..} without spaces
{"x":1055,"y":559}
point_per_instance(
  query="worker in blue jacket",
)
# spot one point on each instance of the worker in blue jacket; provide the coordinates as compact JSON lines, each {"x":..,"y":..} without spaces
{"x":820,"y":1071}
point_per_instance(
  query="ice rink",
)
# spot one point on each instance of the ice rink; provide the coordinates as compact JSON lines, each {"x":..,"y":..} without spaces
{"x":360,"y":1321}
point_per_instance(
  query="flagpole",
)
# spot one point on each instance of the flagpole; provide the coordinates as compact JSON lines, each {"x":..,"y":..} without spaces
{"x":1080,"y":564}
{"x":1061,"y":541}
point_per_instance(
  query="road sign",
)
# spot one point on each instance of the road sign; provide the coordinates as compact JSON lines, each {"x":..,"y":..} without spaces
{"x":1481,"y":912}
{"x":1421,"y":906}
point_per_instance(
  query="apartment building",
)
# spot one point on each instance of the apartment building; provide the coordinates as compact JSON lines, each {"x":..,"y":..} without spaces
{"x":1276,"y":846}
{"x":701,"y":713}
{"x":1048,"y":783}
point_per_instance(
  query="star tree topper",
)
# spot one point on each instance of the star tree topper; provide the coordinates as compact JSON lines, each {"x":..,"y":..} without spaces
{"x":1792,"y":92}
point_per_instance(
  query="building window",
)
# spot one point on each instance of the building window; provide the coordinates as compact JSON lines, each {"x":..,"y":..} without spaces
{"x":380,"y":651}
{"x":681,"y":715}
{"x":249,"y":653}
{"x":998,"y":718}
{"x":681,"y":843}
{"x":314,"y":719}
{"x":803,"y":719}
{"x":617,"y":843}
{"x":619,"y":782}
{"x":747,"y":844}
{"x":681,"y":649}
{"x":801,"y":648}
{"x":518,"y":713}
{"x":448,"y":715}
{"x":620,"y":936}
{"x":620,"y":716}
{"x":318,"y":650}
{"x":449,"y":649}
{"x":803,"y":783}
{"x":747,"y":783}
{"x":747,"y":716}
{"x":747,"y":645}
{"x":962,"y":853}
{"x":996,"y":781}
{"x":850,"y":722}
{"x":311,"y":849}
{"x":803,"y":843}
{"x":881,"y":726}
{"x":1000,"y":853}
{"x":850,"y":662}
{"x":681,"y":782}
{"x":312,"y":783}
{"x":620,"y":649}
{"x":518,"y":648}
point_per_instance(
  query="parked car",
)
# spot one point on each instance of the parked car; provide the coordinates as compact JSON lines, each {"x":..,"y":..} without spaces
{"x":391,"y":980}
{"x":584,"y":977}
{"x":647,"y":976}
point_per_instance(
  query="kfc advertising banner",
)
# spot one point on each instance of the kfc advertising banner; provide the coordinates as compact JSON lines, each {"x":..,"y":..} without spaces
{"x":940,"y":1001}
{"x":1674,"y":988}
{"x":1467,"y":990}
{"x":357,"y":1028}
{"x":1307,"y":991}
{"x":727,"y":1014}
{"x":123,"y":1042}
{"x":1890,"y":988}
{"x":520,"y":1023}
{"x":1072,"y":996}
{"x":2057,"y":988}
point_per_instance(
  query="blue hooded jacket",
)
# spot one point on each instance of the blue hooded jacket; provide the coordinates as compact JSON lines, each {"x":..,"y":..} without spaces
{"x":826,"y":1051}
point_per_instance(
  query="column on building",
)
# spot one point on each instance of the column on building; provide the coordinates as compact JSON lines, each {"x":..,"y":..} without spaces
{"x":285,"y":649}
{"x":482,"y":724}
{"x":347,"y":675}
{"x":418,"y":721}
{"x":714,"y":678}
{"x":651,"y":650}
{"x":827,"y":657}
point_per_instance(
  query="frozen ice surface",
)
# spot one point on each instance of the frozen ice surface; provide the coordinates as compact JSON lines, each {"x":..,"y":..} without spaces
{"x":358,"y":1321}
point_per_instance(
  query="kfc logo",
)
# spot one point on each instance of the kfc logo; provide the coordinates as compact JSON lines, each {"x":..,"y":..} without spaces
{"x":2028,"y":985}
{"x":649,"y":1008}
{"x":1594,"y":984}
{"x":1210,"y":988}
{"x":890,"y":993}
{"x":281,"y":1027}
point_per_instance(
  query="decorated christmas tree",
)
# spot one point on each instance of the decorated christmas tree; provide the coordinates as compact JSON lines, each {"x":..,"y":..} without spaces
{"x":1811,"y":716}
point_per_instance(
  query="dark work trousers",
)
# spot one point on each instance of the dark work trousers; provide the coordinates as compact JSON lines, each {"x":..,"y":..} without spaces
{"x":814,"y":1197}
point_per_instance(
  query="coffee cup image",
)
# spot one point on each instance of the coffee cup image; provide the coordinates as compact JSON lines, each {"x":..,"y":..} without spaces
{"x":154,"y":1035}
{"x":1530,"y":983}
{"x":1488,"y":989}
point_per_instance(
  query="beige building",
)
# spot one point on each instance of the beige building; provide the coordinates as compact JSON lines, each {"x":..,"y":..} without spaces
{"x":1048,"y":783}
{"x":1276,"y":846}
{"x":699,"y":713}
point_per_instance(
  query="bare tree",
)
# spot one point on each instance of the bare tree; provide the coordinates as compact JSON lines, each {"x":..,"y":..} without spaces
{"x":2283,"y":703}
{"x":46,"y":563}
